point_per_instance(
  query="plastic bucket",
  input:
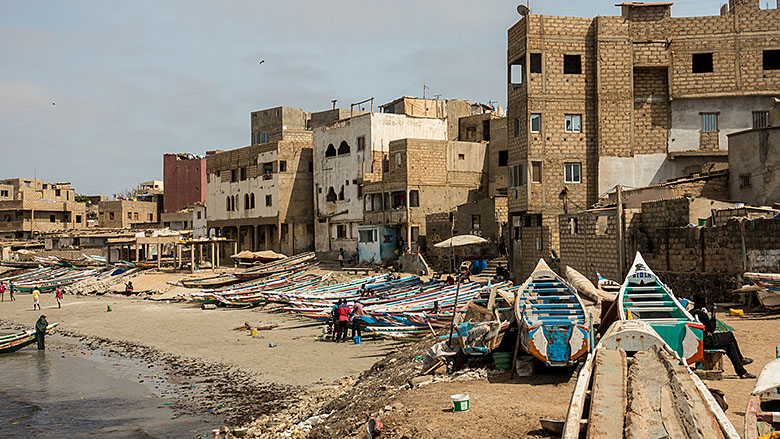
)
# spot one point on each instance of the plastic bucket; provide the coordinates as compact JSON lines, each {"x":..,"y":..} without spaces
{"x":460,"y":402}
{"x":502,"y":360}
{"x":254,"y":332}
{"x":357,"y":340}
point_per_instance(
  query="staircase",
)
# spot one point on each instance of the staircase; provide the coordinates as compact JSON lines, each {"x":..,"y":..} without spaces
{"x":490,"y":271}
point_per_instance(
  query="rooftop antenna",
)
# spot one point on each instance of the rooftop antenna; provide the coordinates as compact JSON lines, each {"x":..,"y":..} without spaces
{"x":425,"y":87}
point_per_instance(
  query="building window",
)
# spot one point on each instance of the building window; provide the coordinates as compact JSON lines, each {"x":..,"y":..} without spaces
{"x":366,"y":235}
{"x":111,"y":216}
{"x":536,"y":172}
{"x":218,"y":174}
{"x":701,"y":63}
{"x":52,"y":219}
{"x":151,"y":217}
{"x":516,"y":74}
{"x":539,"y":242}
{"x":486,"y":130}
{"x":135,"y":216}
{"x":503,"y":157}
{"x":398,"y":160}
{"x":709,"y":122}
{"x":475,"y":220}
{"x":78,"y":219}
{"x":461,"y":156}
{"x":414,"y":198}
{"x":3,"y":193}
{"x":264,"y":137}
{"x":536,"y":63}
{"x":341,"y":231}
{"x":573,"y":226}
{"x":57,"y":192}
{"x":330,"y":197}
{"x":246,"y":201}
{"x":282,"y":165}
{"x":330,"y":151}
{"x":572,"y":173}
{"x":523,"y":174}
{"x":361,"y":143}
{"x":744,"y":181}
{"x":268,"y":168}
{"x":268,"y":200}
{"x":243,"y":174}
{"x":227,"y":204}
{"x":341,"y":194}
{"x":517,"y":126}
{"x":760,"y":119}
{"x":343,"y":148}
{"x":772,"y":60}
{"x":536,"y":123}
{"x":251,"y":203}
{"x":385,"y":165}
{"x":129,"y":215}
{"x":573,"y":123}
{"x":572,"y":64}
{"x":198,"y":214}
{"x":233,"y":175}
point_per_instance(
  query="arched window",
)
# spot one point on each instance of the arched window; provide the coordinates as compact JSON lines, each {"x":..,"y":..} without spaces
{"x":341,"y":193}
{"x":331,"y":151}
{"x":331,"y":196}
{"x":246,"y":201}
{"x":252,"y":201}
{"x":233,"y":202}
{"x":343,"y":147}
{"x":227,"y":202}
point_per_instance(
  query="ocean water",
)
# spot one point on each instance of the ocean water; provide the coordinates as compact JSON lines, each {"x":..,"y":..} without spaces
{"x":57,"y":394}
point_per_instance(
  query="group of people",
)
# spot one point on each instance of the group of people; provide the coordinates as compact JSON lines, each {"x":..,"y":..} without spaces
{"x":342,"y":314}
{"x":10,"y":291}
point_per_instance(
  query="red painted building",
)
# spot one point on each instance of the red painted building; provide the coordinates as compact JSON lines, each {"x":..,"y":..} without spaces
{"x":184,"y":181}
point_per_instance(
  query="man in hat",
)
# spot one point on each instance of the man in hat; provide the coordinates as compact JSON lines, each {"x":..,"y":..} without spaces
{"x":720,"y":340}
{"x":40,"y":331}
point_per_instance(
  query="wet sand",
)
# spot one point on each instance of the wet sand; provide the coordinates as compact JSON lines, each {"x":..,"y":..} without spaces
{"x":182,"y":329}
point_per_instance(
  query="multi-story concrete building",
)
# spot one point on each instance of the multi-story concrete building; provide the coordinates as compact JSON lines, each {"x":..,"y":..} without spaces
{"x":422,"y":178}
{"x":29,"y":207}
{"x":184,"y":177}
{"x":349,"y":154}
{"x":754,"y":159}
{"x":261,"y":195}
{"x":630,"y":100}
{"x":122,"y":214}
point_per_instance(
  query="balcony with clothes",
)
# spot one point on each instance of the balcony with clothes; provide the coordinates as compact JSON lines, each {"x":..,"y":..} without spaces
{"x":389,"y":207}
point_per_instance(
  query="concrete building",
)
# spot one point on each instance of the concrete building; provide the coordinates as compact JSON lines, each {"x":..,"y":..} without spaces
{"x":29,"y":207}
{"x":754,"y":162}
{"x":151,"y":187}
{"x":199,"y":221}
{"x":632,"y":100}
{"x":451,"y":110}
{"x":421,"y":178}
{"x":349,"y":154}
{"x":180,"y":220}
{"x":261,"y":195}
{"x":184,"y":177}
{"x":122,"y":214}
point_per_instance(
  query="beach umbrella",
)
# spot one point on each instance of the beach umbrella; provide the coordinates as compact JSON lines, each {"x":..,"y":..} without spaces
{"x":458,"y":241}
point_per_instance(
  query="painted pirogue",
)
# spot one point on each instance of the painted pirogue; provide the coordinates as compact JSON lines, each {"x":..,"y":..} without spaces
{"x":54,"y":279}
{"x":257,"y":291}
{"x":12,"y":343}
{"x":554,"y":324}
{"x":644,"y":297}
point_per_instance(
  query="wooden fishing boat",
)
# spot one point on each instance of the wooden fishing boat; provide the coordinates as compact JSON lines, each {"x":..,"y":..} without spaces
{"x":652,"y":395}
{"x":769,"y":288}
{"x":554,"y":325}
{"x":210,"y":282}
{"x":643,"y":296}
{"x":762,"y":416}
{"x":12,"y":343}
{"x":488,"y":316}
{"x":19,"y":264}
{"x":280,"y":265}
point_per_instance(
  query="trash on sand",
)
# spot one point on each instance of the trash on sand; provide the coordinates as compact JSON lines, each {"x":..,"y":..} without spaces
{"x":460,"y":402}
{"x":272,"y":345}
{"x":373,"y":429}
{"x":736,"y":312}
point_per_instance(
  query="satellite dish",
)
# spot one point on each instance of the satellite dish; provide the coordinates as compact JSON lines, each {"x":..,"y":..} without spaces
{"x":522,"y":10}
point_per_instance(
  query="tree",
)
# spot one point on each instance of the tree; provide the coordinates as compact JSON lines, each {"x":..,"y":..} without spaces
{"x":83,"y":199}
{"x":126,"y":194}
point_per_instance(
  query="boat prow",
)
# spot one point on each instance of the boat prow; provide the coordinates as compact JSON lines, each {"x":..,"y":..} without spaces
{"x":762,"y":415}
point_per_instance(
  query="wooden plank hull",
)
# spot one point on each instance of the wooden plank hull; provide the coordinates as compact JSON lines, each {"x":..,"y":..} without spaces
{"x":15,"y":342}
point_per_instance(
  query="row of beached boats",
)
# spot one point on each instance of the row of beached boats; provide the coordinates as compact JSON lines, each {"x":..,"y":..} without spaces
{"x":49,"y":278}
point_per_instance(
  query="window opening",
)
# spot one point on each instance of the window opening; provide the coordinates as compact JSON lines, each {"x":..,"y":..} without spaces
{"x":536,"y":123}
{"x":572,"y":64}
{"x":503,"y":157}
{"x":701,"y":63}
{"x":573,"y":173}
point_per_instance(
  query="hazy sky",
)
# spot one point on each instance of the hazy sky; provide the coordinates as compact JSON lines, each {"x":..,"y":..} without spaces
{"x":133,"y":80}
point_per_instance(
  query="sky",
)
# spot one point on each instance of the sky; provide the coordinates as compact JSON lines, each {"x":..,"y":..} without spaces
{"x":95,"y":92}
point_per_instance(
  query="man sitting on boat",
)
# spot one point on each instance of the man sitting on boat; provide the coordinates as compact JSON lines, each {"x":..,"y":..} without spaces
{"x":720,"y":340}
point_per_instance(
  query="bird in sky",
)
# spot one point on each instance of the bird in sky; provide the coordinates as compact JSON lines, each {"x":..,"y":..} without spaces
{"x":261,"y":61}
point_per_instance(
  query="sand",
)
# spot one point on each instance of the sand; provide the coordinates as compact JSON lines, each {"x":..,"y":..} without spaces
{"x":186,"y":330}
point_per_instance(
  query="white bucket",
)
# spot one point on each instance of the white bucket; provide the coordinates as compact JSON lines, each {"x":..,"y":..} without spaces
{"x":460,"y":402}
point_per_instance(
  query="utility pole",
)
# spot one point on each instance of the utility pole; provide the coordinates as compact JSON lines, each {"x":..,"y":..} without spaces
{"x":619,"y":232}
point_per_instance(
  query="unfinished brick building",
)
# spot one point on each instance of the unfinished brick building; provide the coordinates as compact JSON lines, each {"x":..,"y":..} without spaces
{"x":123,"y":214}
{"x":184,"y":177}
{"x":261,"y":195}
{"x":630,"y":100}
{"x":29,"y":207}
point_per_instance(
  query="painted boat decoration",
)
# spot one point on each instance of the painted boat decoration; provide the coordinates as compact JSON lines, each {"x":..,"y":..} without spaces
{"x":483,"y":326}
{"x":554,"y":324}
{"x":762,"y":416}
{"x":643,"y":296}
{"x":769,"y":288}
{"x":12,"y":343}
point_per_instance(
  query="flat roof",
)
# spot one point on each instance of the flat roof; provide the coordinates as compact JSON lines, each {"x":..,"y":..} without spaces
{"x":640,"y":4}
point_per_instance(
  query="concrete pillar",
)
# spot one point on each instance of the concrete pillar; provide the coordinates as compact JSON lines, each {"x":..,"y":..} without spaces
{"x":178,"y":255}
{"x":159,"y":254}
{"x":213,"y":256}
{"x":192,"y":257}
{"x":137,"y":251}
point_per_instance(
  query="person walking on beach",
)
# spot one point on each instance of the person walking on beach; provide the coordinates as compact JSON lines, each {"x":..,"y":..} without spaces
{"x":357,"y":313}
{"x":58,"y":294}
{"x":720,"y":340}
{"x":40,"y":331}
{"x":11,"y":291}
{"x":342,"y":312}
{"x":341,"y":257}
{"x":2,"y":292}
{"x":36,"y":298}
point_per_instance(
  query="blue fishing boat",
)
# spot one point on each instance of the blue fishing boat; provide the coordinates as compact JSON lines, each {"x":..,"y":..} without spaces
{"x":644,"y":297}
{"x":554,"y":324}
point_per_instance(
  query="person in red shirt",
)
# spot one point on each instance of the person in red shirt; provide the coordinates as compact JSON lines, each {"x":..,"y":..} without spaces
{"x":58,"y":294}
{"x":342,"y":314}
{"x":2,"y":292}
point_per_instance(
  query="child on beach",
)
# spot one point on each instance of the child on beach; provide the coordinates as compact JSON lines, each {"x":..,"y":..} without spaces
{"x":58,"y":294}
